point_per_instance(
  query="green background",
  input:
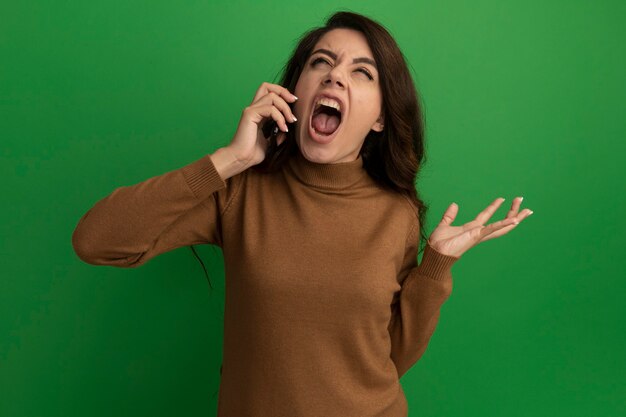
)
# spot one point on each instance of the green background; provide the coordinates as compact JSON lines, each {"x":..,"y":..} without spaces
{"x":521,"y":98}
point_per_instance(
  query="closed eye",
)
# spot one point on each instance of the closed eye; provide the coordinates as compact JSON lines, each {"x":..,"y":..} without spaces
{"x":315,"y":61}
{"x":363,"y":70}
{"x":366,"y":72}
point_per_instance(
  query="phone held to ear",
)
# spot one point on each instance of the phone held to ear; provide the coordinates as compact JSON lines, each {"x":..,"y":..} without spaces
{"x":270,"y":128}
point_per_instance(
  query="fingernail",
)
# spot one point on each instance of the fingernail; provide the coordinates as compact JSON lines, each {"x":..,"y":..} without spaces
{"x":294,"y":119}
{"x":521,"y":199}
{"x":294,"y":96}
{"x":530,"y":212}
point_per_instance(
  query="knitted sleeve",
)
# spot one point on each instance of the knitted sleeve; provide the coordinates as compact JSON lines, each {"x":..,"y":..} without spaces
{"x":138,"y":222}
{"x":416,"y":310}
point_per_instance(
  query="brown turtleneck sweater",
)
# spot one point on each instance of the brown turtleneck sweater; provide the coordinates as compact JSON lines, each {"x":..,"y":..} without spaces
{"x":326,"y":307}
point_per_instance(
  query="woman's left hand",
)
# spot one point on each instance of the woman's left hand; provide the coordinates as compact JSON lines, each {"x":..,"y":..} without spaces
{"x":455,"y":240}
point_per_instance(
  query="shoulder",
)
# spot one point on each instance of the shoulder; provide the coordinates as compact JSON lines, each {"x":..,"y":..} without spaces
{"x":401,"y":212}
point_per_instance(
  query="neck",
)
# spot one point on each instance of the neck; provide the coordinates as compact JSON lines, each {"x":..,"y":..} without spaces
{"x":340,"y":175}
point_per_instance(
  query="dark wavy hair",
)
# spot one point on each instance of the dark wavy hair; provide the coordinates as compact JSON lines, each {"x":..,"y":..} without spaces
{"x":392,"y":157}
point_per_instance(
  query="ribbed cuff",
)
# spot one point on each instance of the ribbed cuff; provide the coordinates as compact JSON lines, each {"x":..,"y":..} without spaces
{"x":202,"y":177}
{"x":435,"y":264}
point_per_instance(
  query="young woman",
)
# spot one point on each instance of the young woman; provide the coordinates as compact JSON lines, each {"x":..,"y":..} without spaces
{"x":314,"y":206}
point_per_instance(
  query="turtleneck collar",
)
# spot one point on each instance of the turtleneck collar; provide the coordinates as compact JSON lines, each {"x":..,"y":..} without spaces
{"x":335,"y":176}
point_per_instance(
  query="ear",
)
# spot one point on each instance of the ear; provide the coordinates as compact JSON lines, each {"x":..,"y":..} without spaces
{"x":380,"y":123}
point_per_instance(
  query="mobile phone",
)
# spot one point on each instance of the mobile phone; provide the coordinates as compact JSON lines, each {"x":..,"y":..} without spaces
{"x":270,"y":128}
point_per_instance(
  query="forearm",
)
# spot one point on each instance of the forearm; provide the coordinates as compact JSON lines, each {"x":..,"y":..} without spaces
{"x":226,"y":163}
{"x":416,"y":315}
{"x":137,"y":222}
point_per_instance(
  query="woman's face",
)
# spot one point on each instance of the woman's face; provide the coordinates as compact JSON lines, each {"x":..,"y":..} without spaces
{"x":338,"y":67}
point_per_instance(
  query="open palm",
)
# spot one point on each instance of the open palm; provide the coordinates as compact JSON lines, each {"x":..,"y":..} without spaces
{"x":455,"y":240}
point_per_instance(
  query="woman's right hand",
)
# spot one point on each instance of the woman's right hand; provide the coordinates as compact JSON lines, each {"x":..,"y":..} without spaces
{"x":271,"y":101}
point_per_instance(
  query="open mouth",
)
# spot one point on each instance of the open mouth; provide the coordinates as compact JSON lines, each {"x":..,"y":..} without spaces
{"x":325,"y":121}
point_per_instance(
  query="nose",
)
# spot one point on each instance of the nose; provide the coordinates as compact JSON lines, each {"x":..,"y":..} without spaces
{"x":335,"y":76}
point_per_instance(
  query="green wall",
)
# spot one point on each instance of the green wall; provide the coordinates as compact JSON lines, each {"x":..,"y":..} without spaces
{"x":521,"y":98}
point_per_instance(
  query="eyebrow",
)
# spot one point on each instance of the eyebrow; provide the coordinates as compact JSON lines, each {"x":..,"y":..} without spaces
{"x":354,"y":61}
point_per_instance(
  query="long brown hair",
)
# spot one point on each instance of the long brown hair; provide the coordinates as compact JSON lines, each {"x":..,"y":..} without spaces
{"x":392,"y":157}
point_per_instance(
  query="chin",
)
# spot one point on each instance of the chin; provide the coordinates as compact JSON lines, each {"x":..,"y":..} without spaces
{"x":322,"y":153}
{"x":319,"y":156}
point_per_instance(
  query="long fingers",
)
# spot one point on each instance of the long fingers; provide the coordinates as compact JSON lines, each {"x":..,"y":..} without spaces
{"x":450,"y":214}
{"x":518,"y":218}
{"x":482,"y":233}
{"x":273,"y":100}
{"x":517,"y":202}
{"x":266,"y":88}
{"x":260,"y":111}
{"x":277,"y":101}
{"x":486,"y":214}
